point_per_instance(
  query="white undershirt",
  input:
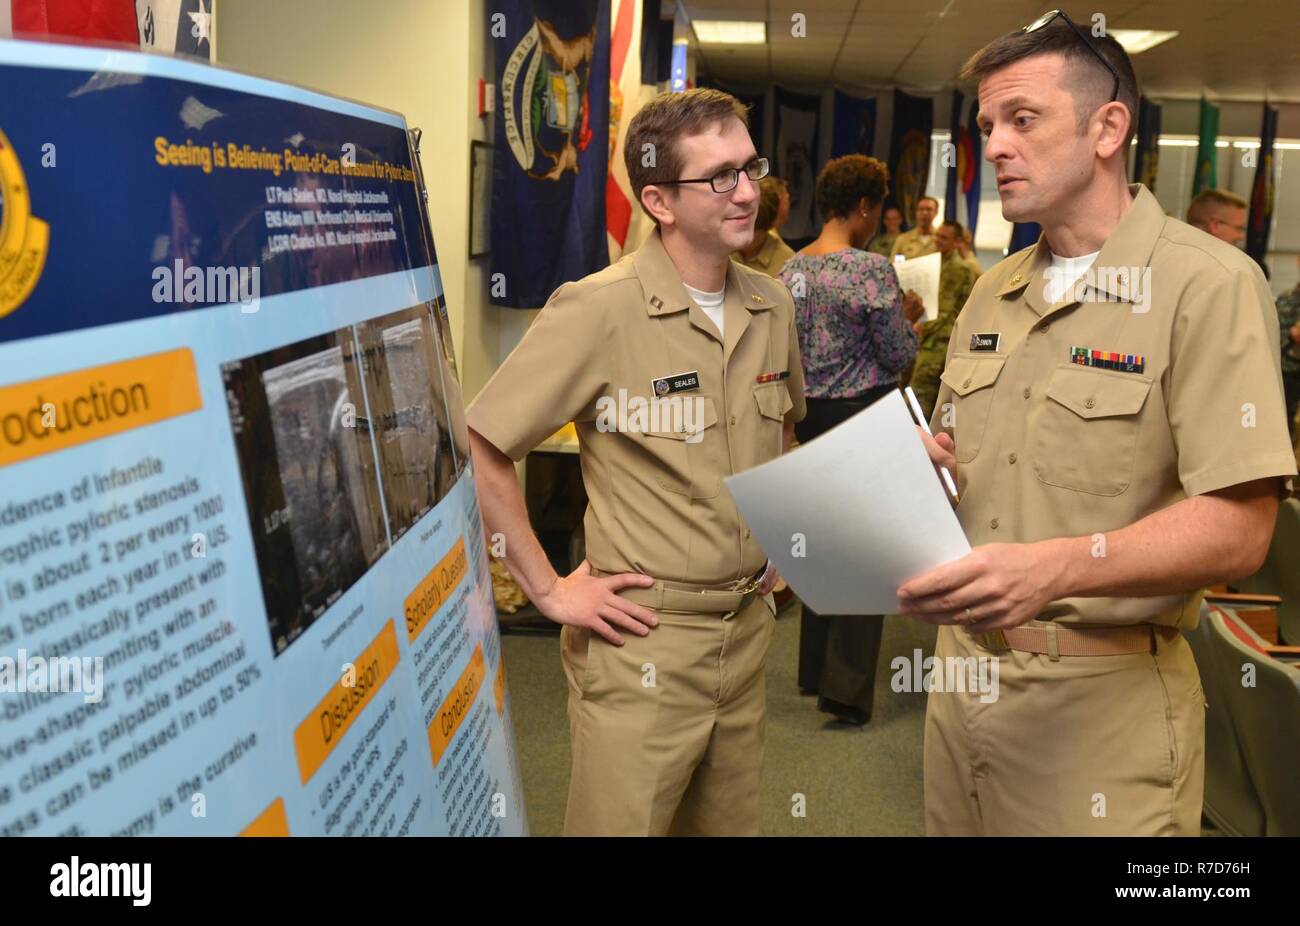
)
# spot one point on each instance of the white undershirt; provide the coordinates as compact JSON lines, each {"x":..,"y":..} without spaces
{"x":711,"y":303}
{"x":1065,"y":272}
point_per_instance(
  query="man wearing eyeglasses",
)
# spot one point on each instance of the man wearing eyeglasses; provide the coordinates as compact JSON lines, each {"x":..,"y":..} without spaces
{"x":1220,"y":213}
{"x":679,"y":367}
{"x":1112,"y":409}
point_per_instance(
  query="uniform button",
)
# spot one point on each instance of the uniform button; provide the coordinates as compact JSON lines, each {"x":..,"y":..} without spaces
{"x":732,"y":421}
{"x":747,"y":535}
{"x":1090,"y":403}
{"x":1044,"y":328}
{"x":994,"y":524}
{"x":1026,"y":392}
{"x":1011,"y":458}
{"x":966,"y":385}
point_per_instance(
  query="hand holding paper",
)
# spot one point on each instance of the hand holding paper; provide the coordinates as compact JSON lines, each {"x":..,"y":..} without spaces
{"x":852,"y":515}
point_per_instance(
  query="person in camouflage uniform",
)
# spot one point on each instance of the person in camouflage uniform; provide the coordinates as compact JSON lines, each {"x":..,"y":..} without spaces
{"x":1288,"y":321}
{"x":956,"y":279}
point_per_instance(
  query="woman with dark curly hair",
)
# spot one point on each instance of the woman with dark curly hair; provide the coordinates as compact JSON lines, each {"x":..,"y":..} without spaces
{"x":856,"y":336}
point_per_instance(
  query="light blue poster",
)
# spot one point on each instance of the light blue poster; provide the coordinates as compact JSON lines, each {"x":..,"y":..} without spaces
{"x":243,"y":582}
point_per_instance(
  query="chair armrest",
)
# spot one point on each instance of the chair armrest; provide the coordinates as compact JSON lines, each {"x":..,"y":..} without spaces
{"x":1242,"y":598}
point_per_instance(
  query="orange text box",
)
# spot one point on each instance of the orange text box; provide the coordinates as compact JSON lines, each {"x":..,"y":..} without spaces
{"x":435,"y":588}
{"x":325,"y":726}
{"x":270,"y":822}
{"x":455,"y":708}
{"x":499,"y":684}
{"x":47,"y":415}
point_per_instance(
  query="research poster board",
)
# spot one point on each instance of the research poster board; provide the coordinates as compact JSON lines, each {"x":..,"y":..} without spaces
{"x":243,"y":582}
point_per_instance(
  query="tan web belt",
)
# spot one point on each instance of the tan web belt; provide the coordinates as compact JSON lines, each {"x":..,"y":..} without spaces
{"x":682,"y":596}
{"x":1056,"y":640}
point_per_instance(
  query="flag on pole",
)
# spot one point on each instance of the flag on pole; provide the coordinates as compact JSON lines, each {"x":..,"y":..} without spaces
{"x":1207,"y":154}
{"x":853,"y":129}
{"x":625,"y":98}
{"x":551,"y":165}
{"x":1262,"y":193}
{"x":797,"y":118}
{"x":909,"y":151}
{"x":1024,"y":234}
{"x":1146,"y":161}
{"x":106,"y":20}
{"x":962,"y":195}
{"x":177,"y":27}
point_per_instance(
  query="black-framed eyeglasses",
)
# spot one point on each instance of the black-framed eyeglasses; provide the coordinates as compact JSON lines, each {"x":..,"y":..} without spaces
{"x":725,"y":180}
{"x":1046,"y":18}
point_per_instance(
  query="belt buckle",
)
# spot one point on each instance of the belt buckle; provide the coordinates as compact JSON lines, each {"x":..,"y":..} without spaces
{"x":753,"y":583}
{"x":994,"y":641}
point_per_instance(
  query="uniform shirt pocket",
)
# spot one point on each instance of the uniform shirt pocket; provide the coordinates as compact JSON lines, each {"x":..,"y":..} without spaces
{"x":773,"y":400}
{"x":971,"y":379}
{"x":1085,"y":435}
{"x":676,"y":437}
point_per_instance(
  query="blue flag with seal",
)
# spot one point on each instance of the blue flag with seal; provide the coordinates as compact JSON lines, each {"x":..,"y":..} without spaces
{"x":552,"y":146}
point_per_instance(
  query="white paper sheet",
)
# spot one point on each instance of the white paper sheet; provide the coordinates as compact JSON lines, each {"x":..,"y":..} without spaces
{"x":921,"y":274}
{"x":850,"y":516}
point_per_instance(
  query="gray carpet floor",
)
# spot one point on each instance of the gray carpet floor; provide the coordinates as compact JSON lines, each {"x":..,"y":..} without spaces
{"x":855,"y":780}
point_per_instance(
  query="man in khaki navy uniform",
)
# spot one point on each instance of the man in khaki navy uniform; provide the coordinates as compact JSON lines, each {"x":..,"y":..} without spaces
{"x":1114,"y":454}
{"x":666,"y":721}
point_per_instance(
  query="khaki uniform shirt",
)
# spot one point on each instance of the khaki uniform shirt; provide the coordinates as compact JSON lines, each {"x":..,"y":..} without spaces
{"x":912,"y":244}
{"x":1050,"y":448}
{"x":771,"y":257}
{"x":657,"y":503}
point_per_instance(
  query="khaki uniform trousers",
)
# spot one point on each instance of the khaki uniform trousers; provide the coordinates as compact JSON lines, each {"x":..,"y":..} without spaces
{"x":1085,"y":745}
{"x":667,"y":730}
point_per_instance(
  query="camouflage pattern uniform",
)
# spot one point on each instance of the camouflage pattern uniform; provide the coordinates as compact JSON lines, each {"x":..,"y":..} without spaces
{"x":956,"y":279}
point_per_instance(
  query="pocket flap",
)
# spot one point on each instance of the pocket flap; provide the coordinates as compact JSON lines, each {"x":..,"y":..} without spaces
{"x":966,"y":374}
{"x":679,"y":417}
{"x":1093,"y":393}
{"x":773,"y":399}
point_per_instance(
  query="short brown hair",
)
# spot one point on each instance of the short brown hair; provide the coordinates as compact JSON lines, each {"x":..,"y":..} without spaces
{"x":1089,"y":82}
{"x":769,"y":202}
{"x":1209,"y":201}
{"x":662,"y":122}
{"x":844,"y":181}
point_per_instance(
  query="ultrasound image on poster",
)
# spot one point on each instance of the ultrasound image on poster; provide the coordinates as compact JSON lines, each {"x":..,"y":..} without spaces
{"x":309,"y":476}
{"x":408,"y":413}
